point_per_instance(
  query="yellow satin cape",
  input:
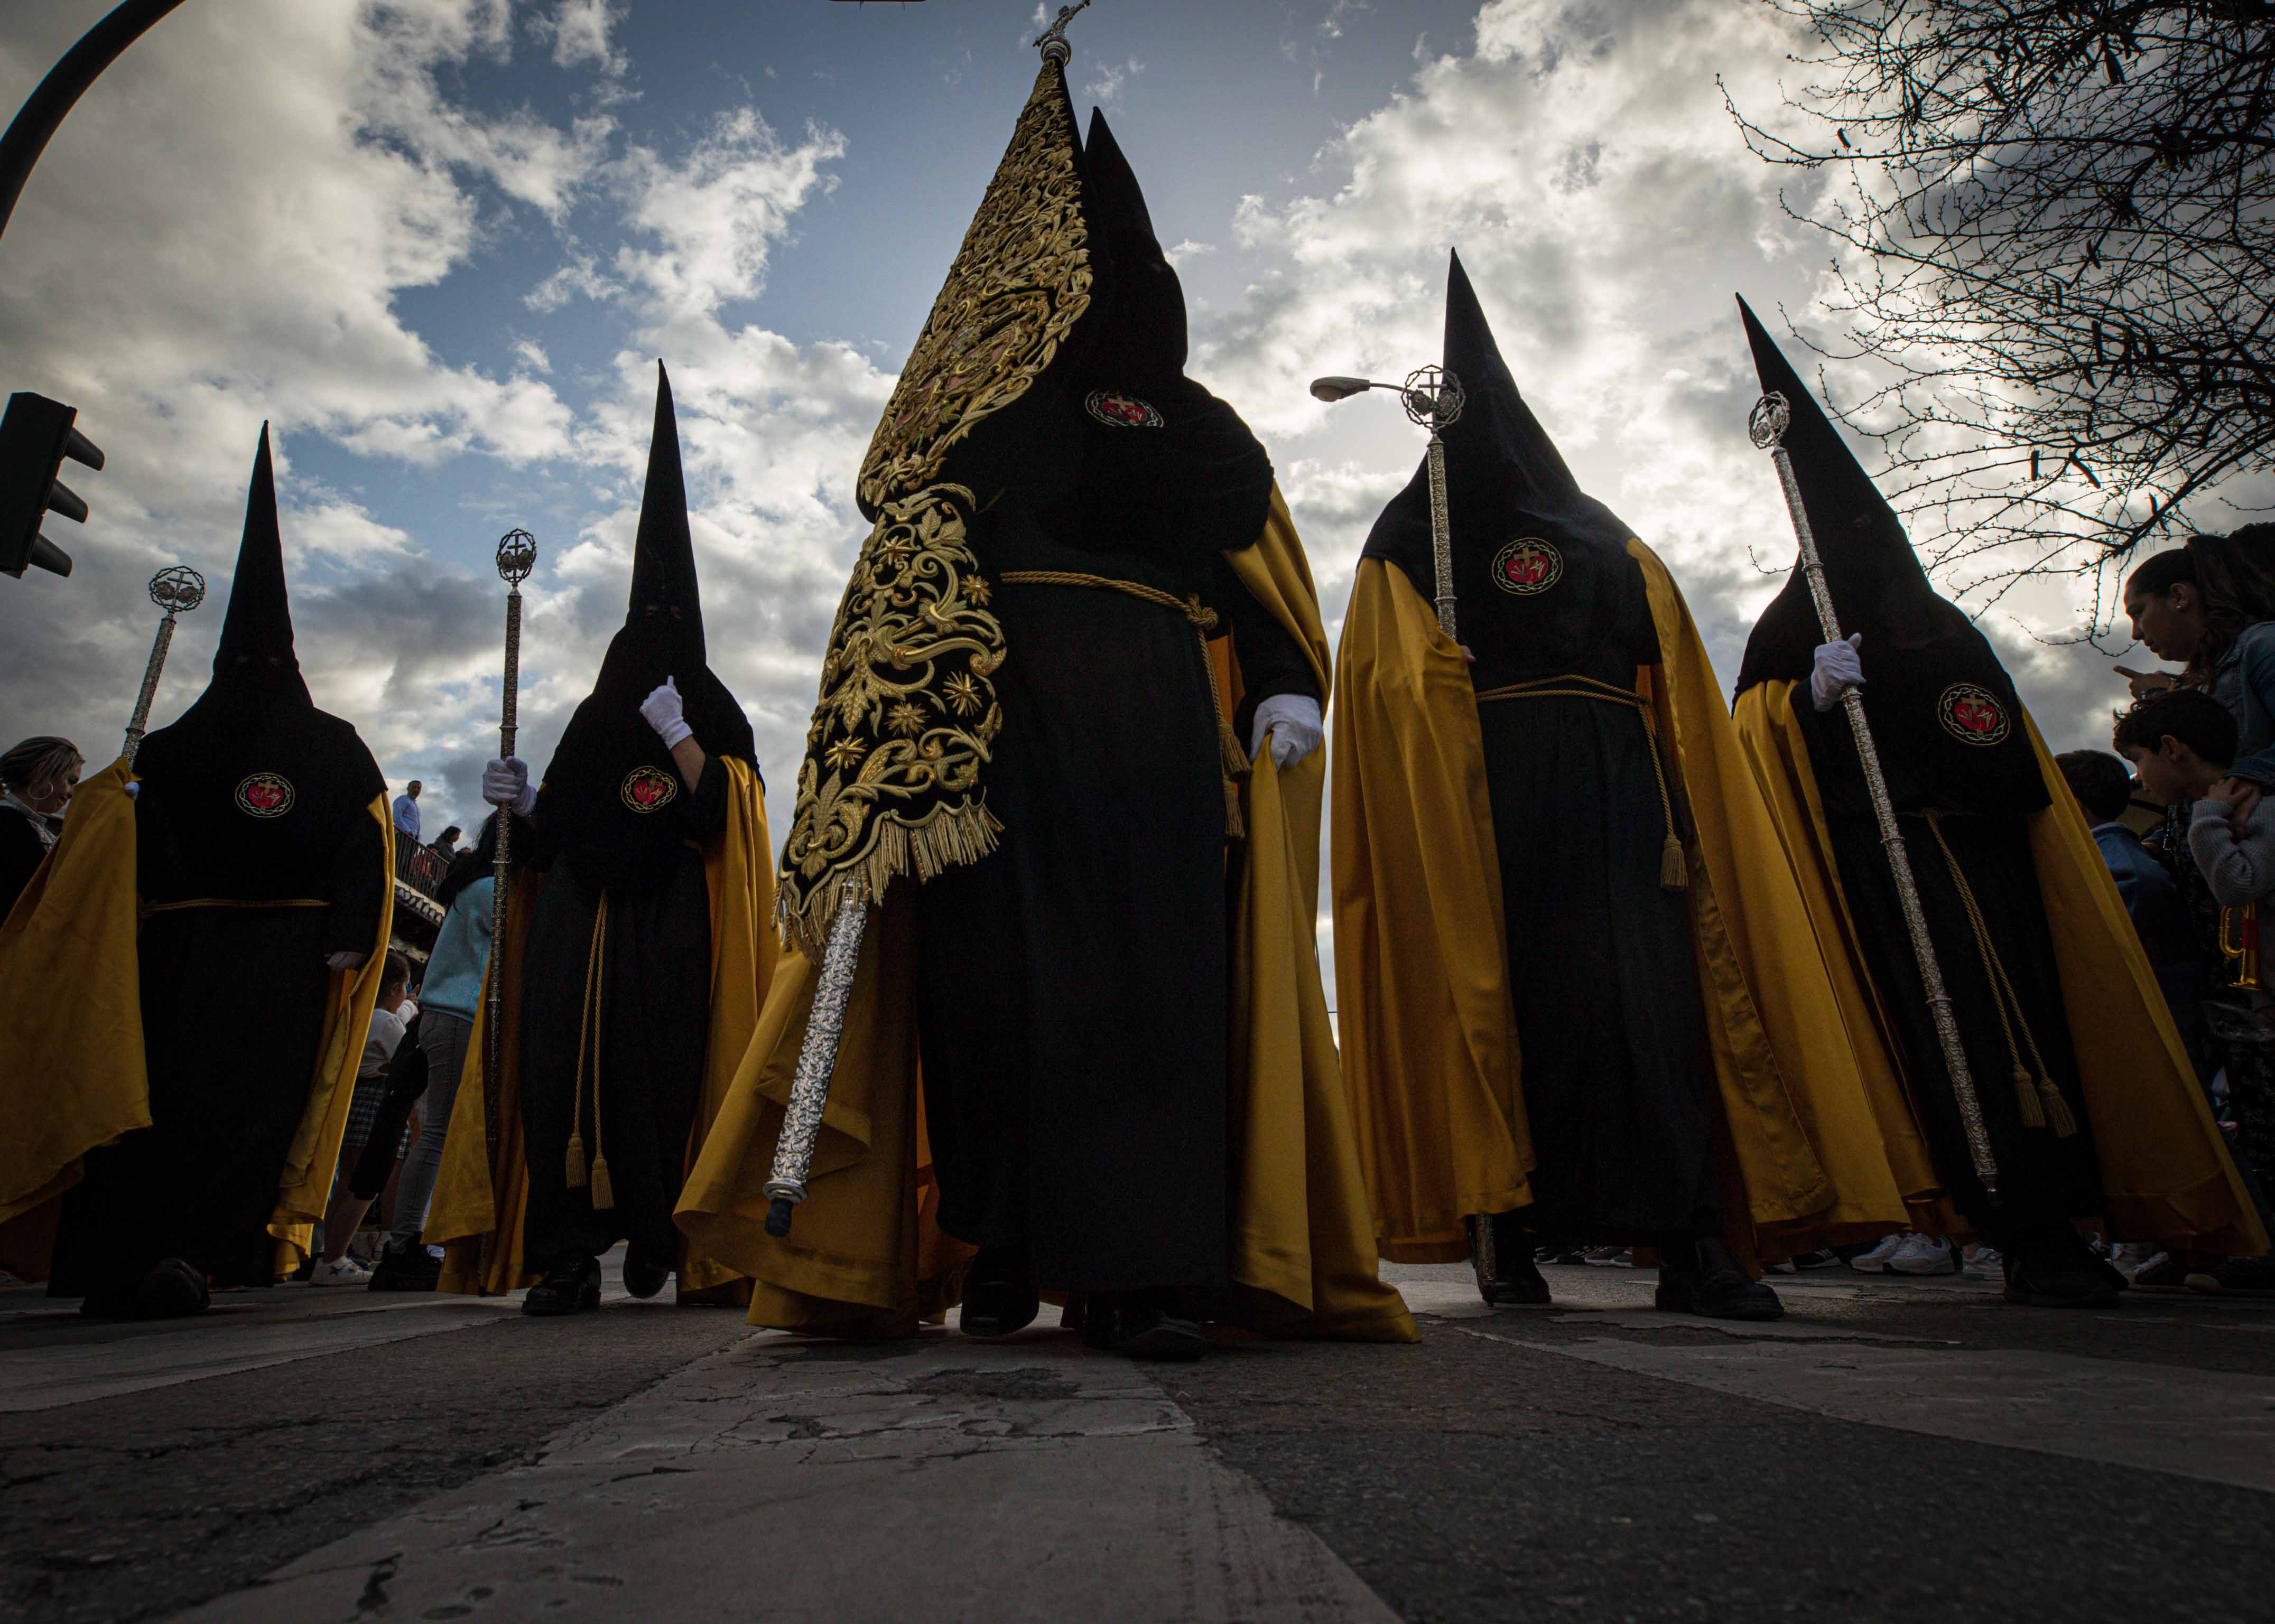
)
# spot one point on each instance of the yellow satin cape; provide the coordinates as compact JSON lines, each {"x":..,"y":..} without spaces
{"x":867,"y":1256}
{"x":2164,"y":1167}
{"x":470,"y":1193}
{"x":72,"y":1037}
{"x":1433,"y":1062}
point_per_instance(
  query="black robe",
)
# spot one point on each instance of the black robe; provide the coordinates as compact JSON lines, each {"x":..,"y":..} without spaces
{"x":234,"y":1006}
{"x":630,"y":1004}
{"x":1072,"y":987}
{"x":1618,"y":1086}
{"x":2044,"y":1180}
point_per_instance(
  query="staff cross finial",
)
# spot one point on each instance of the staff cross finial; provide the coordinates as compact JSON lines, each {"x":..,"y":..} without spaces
{"x":1052,"y":41}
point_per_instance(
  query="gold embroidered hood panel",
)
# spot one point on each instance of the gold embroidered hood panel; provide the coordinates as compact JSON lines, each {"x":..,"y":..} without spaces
{"x":891,"y":782}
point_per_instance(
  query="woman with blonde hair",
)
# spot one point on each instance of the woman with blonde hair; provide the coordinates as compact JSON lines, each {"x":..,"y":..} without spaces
{"x":36,"y":781}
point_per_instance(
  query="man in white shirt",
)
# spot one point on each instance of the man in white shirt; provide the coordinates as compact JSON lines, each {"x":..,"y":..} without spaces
{"x":406,"y":809}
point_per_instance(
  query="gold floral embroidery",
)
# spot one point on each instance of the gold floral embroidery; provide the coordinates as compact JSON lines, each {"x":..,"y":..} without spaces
{"x":1018,"y":284}
{"x":891,"y":783}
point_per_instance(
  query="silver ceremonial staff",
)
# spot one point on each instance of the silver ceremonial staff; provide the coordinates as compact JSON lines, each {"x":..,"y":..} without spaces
{"x":517,"y":556}
{"x":841,"y":953}
{"x":1433,"y":399}
{"x":1765,"y":426}
{"x":177,"y":591}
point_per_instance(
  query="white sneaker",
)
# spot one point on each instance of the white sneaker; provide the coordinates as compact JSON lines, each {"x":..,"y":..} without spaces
{"x":339,"y":1272}
{"x":1875,"y":1261}
{"x":1923,"y":1254}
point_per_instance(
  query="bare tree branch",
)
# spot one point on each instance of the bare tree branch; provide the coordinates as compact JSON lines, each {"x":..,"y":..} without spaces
{"x":2056,"y":234}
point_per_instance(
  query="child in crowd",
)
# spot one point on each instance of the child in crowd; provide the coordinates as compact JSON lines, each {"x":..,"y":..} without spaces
{"x":346,"y":1210}
{"x":2102,"y":788}
{"x":2219,"y":843}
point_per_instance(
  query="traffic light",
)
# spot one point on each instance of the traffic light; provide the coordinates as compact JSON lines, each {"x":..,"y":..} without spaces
{"x":35,"y":436}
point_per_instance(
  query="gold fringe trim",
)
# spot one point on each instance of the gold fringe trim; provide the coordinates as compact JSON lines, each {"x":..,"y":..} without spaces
{"x":805,"y":906}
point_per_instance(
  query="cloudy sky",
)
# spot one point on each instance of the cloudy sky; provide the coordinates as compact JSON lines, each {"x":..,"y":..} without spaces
{"x":439,"y":243}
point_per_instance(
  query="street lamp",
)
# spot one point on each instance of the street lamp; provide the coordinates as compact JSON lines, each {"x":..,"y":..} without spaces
{"x":1433,"y":398}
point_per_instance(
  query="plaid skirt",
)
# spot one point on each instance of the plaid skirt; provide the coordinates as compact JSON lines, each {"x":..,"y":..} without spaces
{"x":363,"y":1117}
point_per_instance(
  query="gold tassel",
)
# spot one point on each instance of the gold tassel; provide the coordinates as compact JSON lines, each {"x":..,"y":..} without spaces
{"x":2058,"y":1111}
{"x":2026,"y":1098}
{"x":1674,"y":872}
{"x":604,"y":1195}
{"x":1234,"y":763}
{"x":575,"y":1161}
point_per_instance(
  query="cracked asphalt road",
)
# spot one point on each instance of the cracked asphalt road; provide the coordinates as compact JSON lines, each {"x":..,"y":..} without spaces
{"x":1912,"y":1452}
{"x":137,"y":1506}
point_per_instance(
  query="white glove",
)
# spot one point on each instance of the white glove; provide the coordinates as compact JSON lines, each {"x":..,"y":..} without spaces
{"x":663,"y":712}
{"x":349,"y":959}
{"x":1838,"y":669}
{"x":506,"y":784}
{"x":1293,"y":721}
{"x":134,"y":789}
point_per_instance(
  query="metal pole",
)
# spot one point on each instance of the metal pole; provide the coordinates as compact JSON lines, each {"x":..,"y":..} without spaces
{"x":1770,"y":417}
{"x":54,"y":96}
{"x":177,"y":591}
{"x":516,"y":555}
{"x":817,"y":1059}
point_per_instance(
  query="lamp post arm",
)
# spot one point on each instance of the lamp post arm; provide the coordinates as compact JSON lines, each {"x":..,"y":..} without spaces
{"x":82,"y":65}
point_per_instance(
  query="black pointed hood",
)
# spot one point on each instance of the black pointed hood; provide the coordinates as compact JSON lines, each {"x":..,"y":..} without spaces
{"x":1537,"y":561}
{"x":612,"y":796}
{"x":252,"y":791}
{"x":1879,"y":585}
{"x":256,"y":630}
{"x":663,"y":550}
{"x":1941,"y":708}
{"x":1163,"y":465}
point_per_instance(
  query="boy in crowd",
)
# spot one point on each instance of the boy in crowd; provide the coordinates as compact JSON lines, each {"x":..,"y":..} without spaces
{"x":2181,"y":743}
{"x":2103,"y":790}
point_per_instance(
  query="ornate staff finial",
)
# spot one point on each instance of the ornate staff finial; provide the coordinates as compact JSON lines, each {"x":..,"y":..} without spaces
{"x":1766,"y":423}
{"x":175,"y":590}
{"x":517,"y":556}
{"x":1052,"y":41}
{"x":1432,"y":398}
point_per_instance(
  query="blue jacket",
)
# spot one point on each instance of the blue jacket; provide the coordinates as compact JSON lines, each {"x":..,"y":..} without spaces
{"x":461,"y":949}
{"x":2244,"y":682}
{"x":2160,"y":916}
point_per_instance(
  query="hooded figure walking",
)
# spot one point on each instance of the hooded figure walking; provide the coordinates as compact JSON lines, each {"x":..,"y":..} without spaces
{"x":1098,"y":1005}
{"x":1580,"y":1000}
{"x":189,"y":1089}
{"x":2088,"y":1098}
{"x":638,"y":970}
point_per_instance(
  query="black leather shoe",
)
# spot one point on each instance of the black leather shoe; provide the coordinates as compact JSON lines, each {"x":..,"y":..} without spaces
{"x":2056,"y":1270}
{"x":571,"y":1289}
{"x":174,"y":1289}
{"x":1139,"y":1324}
{"x":1505,"y":1272}
{"x":642,"y":1278}
{"x":999,"y":1295}
{"x":1705,"y":1279}
{"x":411,"y":1268}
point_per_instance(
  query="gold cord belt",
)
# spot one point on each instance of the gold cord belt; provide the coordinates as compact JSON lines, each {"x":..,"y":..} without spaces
{"x":147,"y":908}
{"x":1674,"y":872}
{"x":1231,"y":758}
{"x":588,"y":1042}
{"x":2040,"y":1102}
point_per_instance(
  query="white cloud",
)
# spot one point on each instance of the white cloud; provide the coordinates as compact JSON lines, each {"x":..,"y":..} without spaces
{"x":1112,"y":79}
{"x":578,"y":30}
{"x":1188,"y":250}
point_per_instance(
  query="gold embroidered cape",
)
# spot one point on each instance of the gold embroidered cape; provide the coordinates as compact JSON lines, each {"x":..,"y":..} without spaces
{"x":1432,"y":1058}
{"x":2164,"y":1167}
{"x":72,"y":1037}
{"x":471,"y":1193}
{"x":892,"y":779}
{"x":867,"y":1256}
